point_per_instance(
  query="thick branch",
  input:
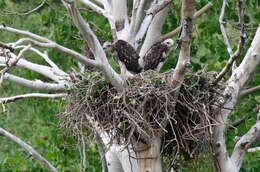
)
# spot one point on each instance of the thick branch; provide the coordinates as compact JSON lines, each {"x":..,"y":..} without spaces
{"x":152,"y":26}
{"x":236,"y":82}
{"x":184,"y":41}
{"x":53,"y":73}
{"x":27,"y":147}
{"x":95,"y":46}
{"x":244,"y":143}
{"x":253,"y":149}
{"x":153,"y":34}
{"x":6,"y":47}
{"x":196,"y":15}
{"x":37,"y":84}
{"x":31,"y":95}
{"x":142,"y":6}
{"x":101,"y":152}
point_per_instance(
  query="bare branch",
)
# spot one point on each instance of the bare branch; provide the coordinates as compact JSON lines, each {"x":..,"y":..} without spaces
{"x":6,"y":47}
{"x":222,"y":28}
{"x":236,"y":82}
{"x":62,"y":49}
{"x":27,"y":13}
{"x":13,"y":62}
{"x":101,"y":152}
{"x":31,"y":95}
{"x":158,"y":7}
{"x":249,"y":91}
{"x":236,"y":123}
{"x":53,"y":73}
{"x":153,"y":34}
{"x":95,"y":46}
{"x":196,"y":15}
{"x":244,"y":143}
{"x":253,"y":149}
{"x":184,"y":41}
{"x":37,"y":84}
{"x":142,"y":6}
{"x":152,"y":25}
{"x":95,"y":8}
{"x":233,"y":56}
{"x":27,"y":147}
{"x":25,"y":33}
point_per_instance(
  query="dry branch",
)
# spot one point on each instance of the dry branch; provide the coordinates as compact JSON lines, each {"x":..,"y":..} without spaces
{"x":31,"y":95}
{"x":27,"y":147}
{"x":249,"y":91}
{"x":26,"y":13}
{"x":233,"y":56}
{"x":196,"y":15}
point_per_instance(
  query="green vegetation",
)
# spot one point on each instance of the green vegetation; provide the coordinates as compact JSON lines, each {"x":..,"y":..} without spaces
{"x":36,"y":121}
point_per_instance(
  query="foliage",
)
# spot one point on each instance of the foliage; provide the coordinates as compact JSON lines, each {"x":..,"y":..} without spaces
{"x":36,"y":121}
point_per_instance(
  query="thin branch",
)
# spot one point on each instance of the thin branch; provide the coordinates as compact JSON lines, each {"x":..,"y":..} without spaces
{"x":26,"y":13}
{"x":31,"y":95}
{"x":25,"y":33}
{"x":196,"y":15}
{"x":222,"y":28}
{"x":233,"y":56}
{"x":236,"y":123}
{"x":95,"y":8}
{"x":13,"y":62}
{"x":27,"y":147}
{"x":249,"y":91}
{"x":158,"y":7}
{"x":62,"y":49}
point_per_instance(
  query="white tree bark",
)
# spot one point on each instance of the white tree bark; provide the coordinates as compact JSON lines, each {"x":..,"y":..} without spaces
{"x":234,"y":85}
{"x":27,"y":147}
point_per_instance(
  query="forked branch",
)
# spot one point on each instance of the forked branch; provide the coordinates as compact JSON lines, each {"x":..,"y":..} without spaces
{"x":233,"y":56}
{"x":94,"y":45}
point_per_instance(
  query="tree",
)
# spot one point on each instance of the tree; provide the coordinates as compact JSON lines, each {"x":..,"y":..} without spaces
{"x":140,"y":118}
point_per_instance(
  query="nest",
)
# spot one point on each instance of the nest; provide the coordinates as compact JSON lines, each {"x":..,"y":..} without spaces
{"x":147,"y":108}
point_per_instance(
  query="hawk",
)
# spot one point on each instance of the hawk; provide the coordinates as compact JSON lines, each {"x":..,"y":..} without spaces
{"x":155,"y":57}
{"x":126,"y":56}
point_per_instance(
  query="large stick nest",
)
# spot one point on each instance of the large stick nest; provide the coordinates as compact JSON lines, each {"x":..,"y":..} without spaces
{"x":147,"y":109}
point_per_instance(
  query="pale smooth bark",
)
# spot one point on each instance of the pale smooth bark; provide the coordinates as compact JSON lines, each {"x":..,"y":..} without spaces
{"x":27,"y":147}
{"x":99,"y":53}
{"x":31,"y":95}
{"x":234,"y":85}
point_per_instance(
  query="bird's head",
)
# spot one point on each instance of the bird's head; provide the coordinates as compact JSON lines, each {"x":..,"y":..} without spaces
{"x":108,"y":47}
{"x":168,"y":42}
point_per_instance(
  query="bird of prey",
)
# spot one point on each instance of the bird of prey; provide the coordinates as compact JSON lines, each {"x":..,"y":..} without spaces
{"x":155,"y":57}
{"x":126,"y":56}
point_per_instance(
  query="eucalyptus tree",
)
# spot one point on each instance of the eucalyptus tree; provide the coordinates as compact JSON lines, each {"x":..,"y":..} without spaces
{"x":141,"y":146}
